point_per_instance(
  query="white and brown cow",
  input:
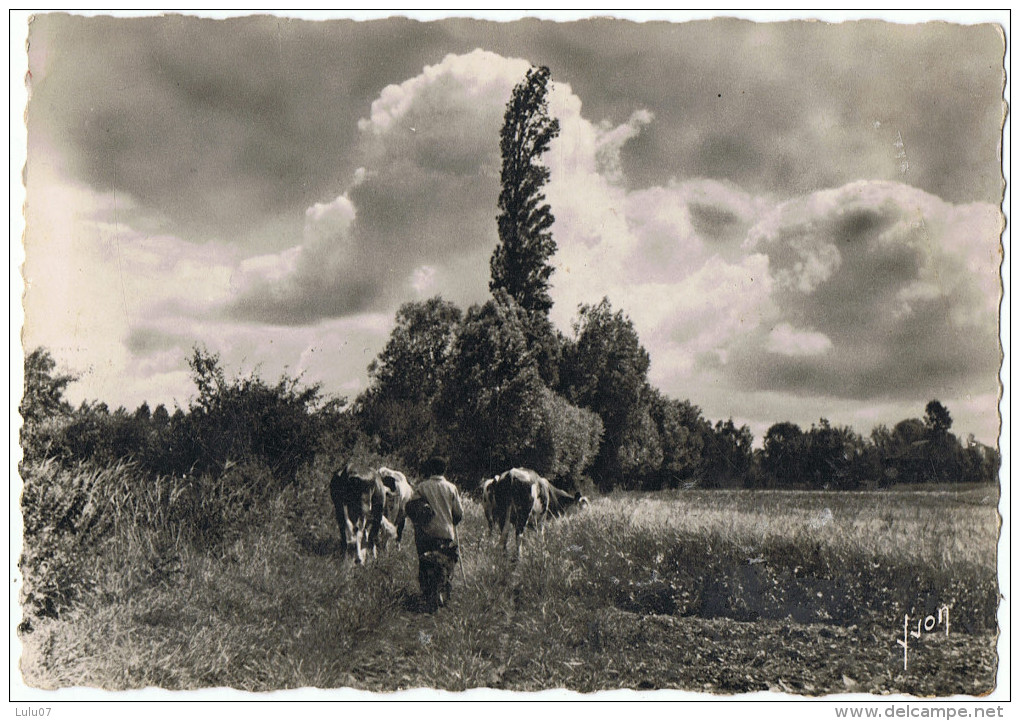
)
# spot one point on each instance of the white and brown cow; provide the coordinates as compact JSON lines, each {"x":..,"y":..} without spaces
{"x":517,"y":500}
{"x":359,"y":498}
{"x":489,"y":501}
{"x":521,"y":496}
{"x":398,"y":493}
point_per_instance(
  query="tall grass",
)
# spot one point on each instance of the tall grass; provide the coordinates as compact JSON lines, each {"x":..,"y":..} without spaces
{"x":720,"y":591}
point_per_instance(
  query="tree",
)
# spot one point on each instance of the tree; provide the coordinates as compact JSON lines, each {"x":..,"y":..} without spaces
{"x":945,"y":462}
{"x":605,"y":369}
{"x":408,"y":368}
{"x":160,"y":416}
{"x":937,"y":419}
{"x":832,"y":454}
{"x":728,"y":455}
{"x":682,"y":432}
{"x":906,"y":451}
{"x":490,"y":397}
{"x":783,"y":454}
{"x":979,"y":463}
{"x":142,"y":413}
{"x":44,"y":389}
{"x":640,"y":454}
{"x":520,"y":262}
{"x":568,"y":439}
{"x":883,"y":444}
{"x":396,"y":411}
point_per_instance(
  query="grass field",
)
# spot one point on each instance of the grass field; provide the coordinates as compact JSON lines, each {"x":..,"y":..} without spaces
{"x":712,"y":591}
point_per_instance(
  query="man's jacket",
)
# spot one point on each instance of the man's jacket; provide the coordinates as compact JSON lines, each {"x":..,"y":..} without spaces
{"x":446,"y":511}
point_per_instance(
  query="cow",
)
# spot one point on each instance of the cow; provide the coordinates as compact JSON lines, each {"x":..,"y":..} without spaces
{"x":398,"y":493}
{"x":517,"y":499}
{"x":521,"y":496}
{"x":359,"y":499}
{"x":489,"y":501}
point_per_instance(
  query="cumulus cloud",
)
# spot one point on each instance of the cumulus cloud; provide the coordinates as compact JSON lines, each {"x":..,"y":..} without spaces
{"x":611,"y":140}
{"x":901,"y":285}
{"x":227,"y":126}
{"x":315,"y":279}
{"x":670,"y":256}
{"x":92,"y":282}
{"x":784,"y":339}
{"x":420,"y":211}
{"x":422,"y":202}
{"x":123,"y":308}
{"x":856,"y":288}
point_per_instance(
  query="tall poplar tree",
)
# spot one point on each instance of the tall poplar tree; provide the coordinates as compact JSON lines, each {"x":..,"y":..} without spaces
{"x":520,"y":264}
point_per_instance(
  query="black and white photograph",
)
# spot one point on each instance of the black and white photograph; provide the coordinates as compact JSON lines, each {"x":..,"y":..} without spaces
{"x":459,"y":355}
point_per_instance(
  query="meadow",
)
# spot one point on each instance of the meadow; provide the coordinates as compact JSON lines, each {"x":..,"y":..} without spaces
{"x":710,"y":591}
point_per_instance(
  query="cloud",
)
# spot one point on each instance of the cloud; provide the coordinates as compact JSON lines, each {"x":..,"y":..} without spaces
{"x":670,"y":256}
{"x":231,"y":128}
{"x":789,"y":108}
{"x":93,"y":282}
{"x":784,"y":339}
{"x":422,"y":202}
{"x":898,"y":289}
{"x":123,"y":309}
{"x":873,"y":290}
{"x":313,"y":280}
{"x":420,"y":212}
{"x":424,"y":279}
{"x":611,"y":141}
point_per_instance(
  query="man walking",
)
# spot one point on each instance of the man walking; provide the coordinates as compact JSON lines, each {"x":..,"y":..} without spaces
{"x":435,"y":510}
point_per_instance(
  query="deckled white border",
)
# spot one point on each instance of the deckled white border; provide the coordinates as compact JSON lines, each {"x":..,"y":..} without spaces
{"x":209,"y":701}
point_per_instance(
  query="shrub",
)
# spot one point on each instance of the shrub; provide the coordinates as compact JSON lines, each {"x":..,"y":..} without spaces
{"x":44,"y":438}
{"x":245,"y":422}
{"x":568,"y":439}
{"x":92,"y":433}
{"x":66,"y":514}
{"x":403,"y":428}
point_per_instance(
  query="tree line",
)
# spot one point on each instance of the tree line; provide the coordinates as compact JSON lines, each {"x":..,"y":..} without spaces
{"x":492,"y":387}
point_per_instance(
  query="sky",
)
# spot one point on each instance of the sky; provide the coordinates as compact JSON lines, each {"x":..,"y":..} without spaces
{"x":801,"y":218}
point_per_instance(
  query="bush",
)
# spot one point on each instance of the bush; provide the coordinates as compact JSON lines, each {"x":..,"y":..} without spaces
{"x":72,"y":513}
{"x":44,"y":438}
{"x":67,"y":514}
{"x":405,"y":429}
{"x":245,"y":422}
{"x":568,"y":439}
{"x":94,"y":434}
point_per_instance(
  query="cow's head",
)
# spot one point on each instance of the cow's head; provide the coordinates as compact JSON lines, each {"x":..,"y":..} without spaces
{"x":563,"y":502}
